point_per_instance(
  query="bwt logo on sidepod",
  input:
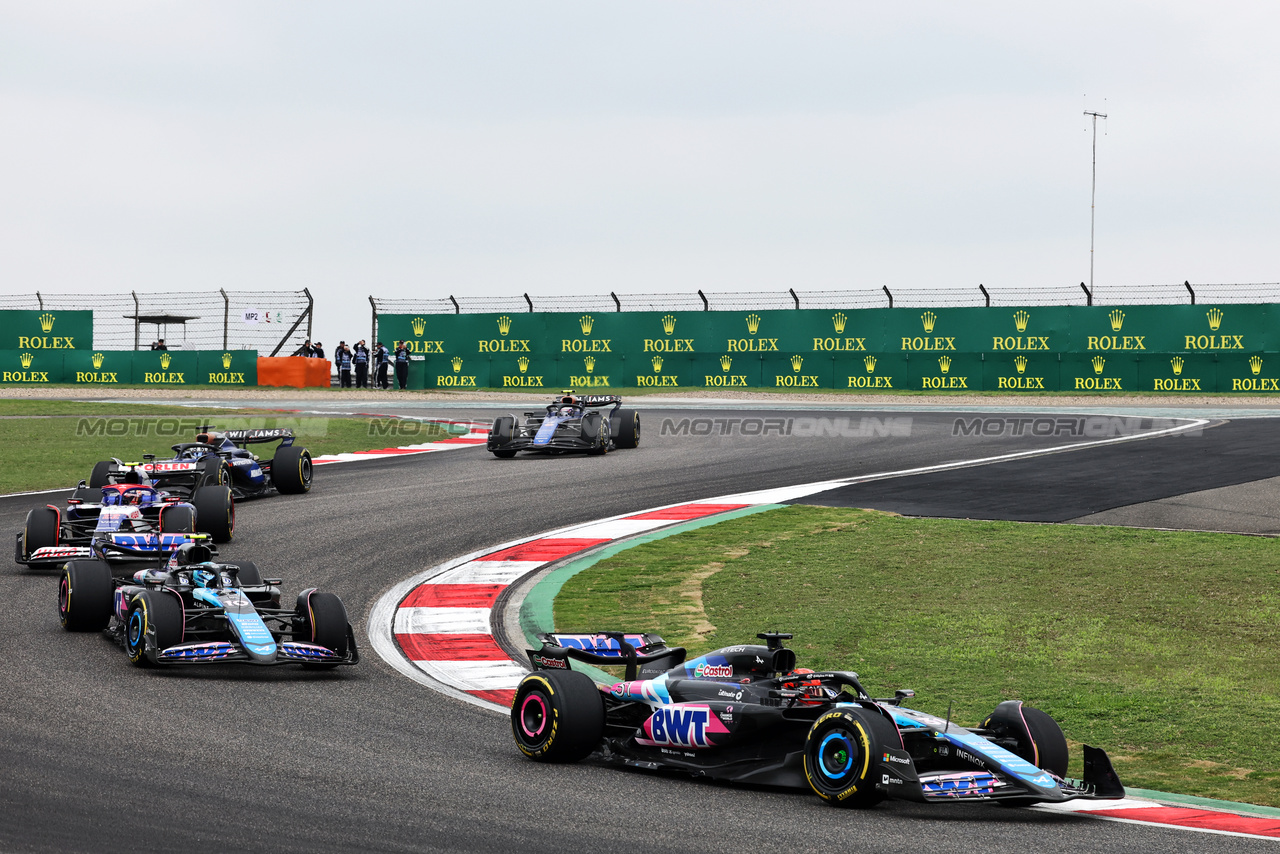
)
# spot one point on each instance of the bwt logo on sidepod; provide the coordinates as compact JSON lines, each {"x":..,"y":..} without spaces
{"x":684,"y":726}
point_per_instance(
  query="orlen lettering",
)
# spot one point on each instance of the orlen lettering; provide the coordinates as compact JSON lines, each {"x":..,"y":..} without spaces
{"x":713,"y":671}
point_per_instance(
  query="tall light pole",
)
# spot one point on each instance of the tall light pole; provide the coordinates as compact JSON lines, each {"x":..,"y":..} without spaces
{"x":1093,"y":193}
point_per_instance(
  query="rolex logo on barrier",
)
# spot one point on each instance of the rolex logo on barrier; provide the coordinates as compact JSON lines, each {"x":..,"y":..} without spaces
{"x":870,"y":364}
{"x":586,"y":322}
{"x":1020,"y":363}
{"x":1021,"y":319}
{"x":26,"y":359}
{"x":504,"y":324}
{"x":657,"y":364}
{"x":1168,"y":384}
{"x":1117,"y":320}
{"x":226,"y":361}
{"x":944,"y":364}
{"x":929,"y":319}
{"x":1255,"y":365}
{"x":753,"y":323}
{"x":797,"y":361}
{"x":589,"y":363}
{"x":669,"y":324}
{"x":457,"y":363}
{"x":419,"y":326}
{"x":98,"y":359}
{"x":838,"y":320}
{"x":165,"y":361}
{"x":1098,"y":364}
{"x":46,"y":323}
{"x":523,"y":363}
{"x":1176,"y":363}
{"x":726,"y":363}
{"x":1215,"y":318}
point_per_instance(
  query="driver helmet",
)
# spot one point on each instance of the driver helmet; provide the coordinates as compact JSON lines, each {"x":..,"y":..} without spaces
{"x":204,"y":578}
{"x":814,"y":692}
{"x":140,"y":496}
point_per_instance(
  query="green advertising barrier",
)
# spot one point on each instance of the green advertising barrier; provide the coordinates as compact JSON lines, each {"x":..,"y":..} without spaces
{"x":46,"y":330}
{"x":122,"y":367}
{"x":1033,"y":348}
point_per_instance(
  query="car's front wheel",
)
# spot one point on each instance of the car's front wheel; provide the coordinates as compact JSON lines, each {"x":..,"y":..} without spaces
{"x":291,"y":470}
{"x":85,"y":596}
{"x":152,"y":625}
{"x":215,"y":512}
{"x":840,"y":756}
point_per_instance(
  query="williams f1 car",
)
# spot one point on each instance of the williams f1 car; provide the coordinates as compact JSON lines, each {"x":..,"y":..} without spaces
{"x":223,"y":458}
{"x":569,"y":424}
{"x":129,"y":523}
{"x":746,"y":714}
{"x":195,"y":611}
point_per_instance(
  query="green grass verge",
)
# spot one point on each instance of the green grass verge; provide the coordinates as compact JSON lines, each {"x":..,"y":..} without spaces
{"x":56,"y":443}
{"x":1158,"y":646}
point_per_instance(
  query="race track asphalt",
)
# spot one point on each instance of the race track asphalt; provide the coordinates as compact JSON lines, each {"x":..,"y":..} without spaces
{"x":100,"y":756}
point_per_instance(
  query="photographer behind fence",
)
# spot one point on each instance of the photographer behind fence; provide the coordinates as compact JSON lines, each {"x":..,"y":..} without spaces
{"x":402,"y":364}
{"x":343,"y":358}
{"x":383,"y":358}
{"x":360,"y":357}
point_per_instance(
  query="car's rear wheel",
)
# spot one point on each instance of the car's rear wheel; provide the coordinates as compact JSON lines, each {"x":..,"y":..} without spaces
{"x":1038,"y":737}
{"x":249,"y":574}
{"x":215,"y":512}
{"x":840,"y":756}
{"x":85,"y":596}
{"x":153,"y":624}
{"x":321,"y":619}
{"x":215,"y":470}
{"x":291,"y":470}
{"x":626,"y":428}
{"x":177,"y":519}
{"x":101,"y":474}
{"x":596,"y":430}
{"x":557,"y":716}
{"x":43,"y":528}
{"x":503,"y":430}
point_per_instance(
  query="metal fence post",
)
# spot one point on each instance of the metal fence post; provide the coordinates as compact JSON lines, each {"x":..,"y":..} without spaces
{"x":794,"y":297}
{"x":136,"y":319}
{"x":1187,"y":284}
{"x":226,"y":316}
{"x":885,"y":288}
{"x":373,"y":335}
{"x":985,"y":294}
{"x":1088,"y":296}
{"x":705,"y":305}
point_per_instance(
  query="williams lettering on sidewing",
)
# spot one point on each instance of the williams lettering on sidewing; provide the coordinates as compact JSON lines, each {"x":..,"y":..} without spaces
{"x":570,"y":424}
{"x":746,"y":714}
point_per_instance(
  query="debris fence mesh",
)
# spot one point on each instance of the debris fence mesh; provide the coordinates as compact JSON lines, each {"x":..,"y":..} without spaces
{"x":189,"y":320}
{"x":1161,"y":294}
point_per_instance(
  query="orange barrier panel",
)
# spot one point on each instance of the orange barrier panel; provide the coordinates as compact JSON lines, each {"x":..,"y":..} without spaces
{"x":293,"y":371}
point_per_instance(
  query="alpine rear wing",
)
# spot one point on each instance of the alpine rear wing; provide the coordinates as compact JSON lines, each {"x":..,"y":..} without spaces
{"x":644,"y":655}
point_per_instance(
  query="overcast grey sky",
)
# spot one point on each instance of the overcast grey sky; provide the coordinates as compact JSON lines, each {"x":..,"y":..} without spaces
{"x":421,"y":149}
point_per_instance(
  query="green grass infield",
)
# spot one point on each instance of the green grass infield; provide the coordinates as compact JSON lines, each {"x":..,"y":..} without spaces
{"x":55,"y":443}
{"x":1158,"y":646}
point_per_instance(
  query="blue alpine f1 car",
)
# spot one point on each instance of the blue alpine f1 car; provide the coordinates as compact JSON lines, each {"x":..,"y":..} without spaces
{"x":193,"y":610}
{"x":747,"y":714}
{"x":570,"y":423}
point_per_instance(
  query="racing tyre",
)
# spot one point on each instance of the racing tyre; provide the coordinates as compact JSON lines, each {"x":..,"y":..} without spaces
{"x":101,"y":471}
{"x":291,"y":470}
{"x":502,"y":432}
{"x":215,"y":512}
{"x":84,"y":596}
{"x":215,"y":471}
{"x":840,"y":756}
{"x":594,"y":426}
{"x":557,"y":716}
{"x":320,"y":618}
{"x":178,"y":519}
{"x":43,"y":527}
{"x":154,"y":623}
{"x":625,"y":424}
{"x":1039,"y":738}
